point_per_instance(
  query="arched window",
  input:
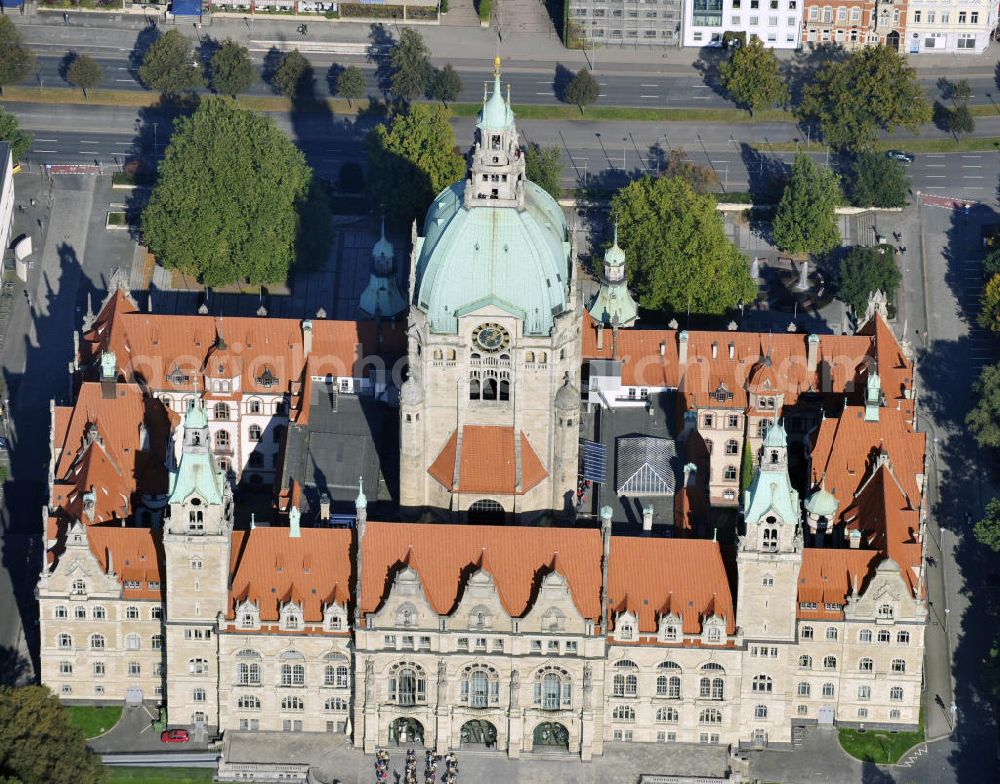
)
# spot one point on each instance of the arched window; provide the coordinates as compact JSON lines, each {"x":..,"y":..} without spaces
{"x":198,"y":695}
{"x":255,"y":432}
{"x":831,"y":632}
{"x":248,"y":673}
{"x":65,"y":641}
{"x":222,"y":439}
{"x":883,"y":636}
{"x":807,"y":632}
{"x":668,"y":681}
{"x":221,"y":411}
{"x":97,"y":642}
{"x":864,"y":692}
{"x":667,"y":715}
{"x":865,"y":635}
{"x":475,"y":388}
{"x":805,"y":662}
{"x":626,"y":679}
{"x":197,"y":666}
{"x":553,"y":688}
{"x":623,"y":713}
{"x":480,"y":687}
{"x":767,"y":581}
{"x":903,"y":638}
{"x":626,"y":631}
{"x":896,"y":693}
{"x":156,"y":642}
{"x":292,"y":704}
{"x":760,"y":712}
{"x":253,"y":407}
{"x":730,"y":472}
{"x":248,"y":702}
{"x":710,"y":716}
{"x":804,"y":689}
{"x":80,"y":613}
{"x":486,"y":510}
{"x":60,"y":612}
{"x":762,"y":428}
{"x":732,"y":448}
{"x":133,"y":642}
{"x":293,"y":675}
{"x":866,"y":665}
{"x":132,"y":613}
{"x":763,"y":684}
{"x":100,"y":613}
{"x":407,"y":684}
{"x":827,"y":689}
{"x":336,"y":675}
{"x":335,"y":704}
{"x":829,"y":662}
{"x":899,"y":665}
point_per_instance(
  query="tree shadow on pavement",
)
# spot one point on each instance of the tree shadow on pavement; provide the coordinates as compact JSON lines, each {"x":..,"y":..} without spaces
{"x":767,"y":175}
{"x":560,"y":81}
{"x":146,"y":38}
{"x":380,"y":44}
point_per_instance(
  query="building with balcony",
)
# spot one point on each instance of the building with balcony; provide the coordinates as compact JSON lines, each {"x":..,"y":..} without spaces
{"x":775,"y":22}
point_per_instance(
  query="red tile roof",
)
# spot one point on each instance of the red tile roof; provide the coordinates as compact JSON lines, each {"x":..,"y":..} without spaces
{"x":652,"y":577}
{"x":830,"y":575}
{"x":516,"y":558}
{"x":270,"y":568}
{"x":487,"y":462}
{"x":136,"y":556}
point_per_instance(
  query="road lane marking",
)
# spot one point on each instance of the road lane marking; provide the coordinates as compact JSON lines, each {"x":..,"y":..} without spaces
{"x":548,"y":93}
{"x":972,"y":177}
{"x":935,"y":176}
{"x":44,"y":150}
{"x":649,"y":96}
{"x":125,"y":80}
{"x":649,"y":85}
{"x":124,"y":144}
{"x":971,"y":166}
{"x":88,"y":141}
{"x":700,"y":97}
{"x":936,"y":165}
{"x":89,"y":152}
{"x":46,"y":140}
{"x":972,"y":156}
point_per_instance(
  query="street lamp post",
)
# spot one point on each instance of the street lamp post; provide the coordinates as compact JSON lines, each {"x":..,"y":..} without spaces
{"x":624,"y":148}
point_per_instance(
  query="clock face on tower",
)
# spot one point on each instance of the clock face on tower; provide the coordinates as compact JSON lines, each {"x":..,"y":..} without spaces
{"x":491,"y":337}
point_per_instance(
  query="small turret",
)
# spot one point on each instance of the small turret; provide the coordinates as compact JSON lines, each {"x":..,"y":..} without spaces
{"x":382,"y":298}
{"x":873,"y":395}
{"x":497,"y":168}
{"x":613,"y":304}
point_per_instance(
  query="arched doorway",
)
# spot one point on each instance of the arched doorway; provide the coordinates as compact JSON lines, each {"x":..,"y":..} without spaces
{"x":478,"y":732}
{"x":486,"y":510}
{"x":892,"y":40}
{"x":551,"y":734}
{"x":406,"y":730}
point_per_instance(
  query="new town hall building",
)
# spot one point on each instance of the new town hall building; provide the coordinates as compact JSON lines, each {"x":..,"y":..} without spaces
{"x":209,"y":545}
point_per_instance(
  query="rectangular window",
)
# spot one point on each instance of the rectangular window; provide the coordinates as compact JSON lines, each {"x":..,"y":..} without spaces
{"x":553,"y":647}
{"x":945,"y":16}
{"x":962,"y":16}
{"x":974,"y":17}
{"x":389,"y":641}
{"x":930,"y":17}
{"x":425,"y":643}
{"x":407,"y":642}
{"x":916,"y":15}
{"x":966,"y":42}
{"x":463,"y":643}
{"x":536,"y":646}
{"x":571,"y":646}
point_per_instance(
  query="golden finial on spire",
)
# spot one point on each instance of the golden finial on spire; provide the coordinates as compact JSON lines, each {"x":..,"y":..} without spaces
{"x":496,"y":65}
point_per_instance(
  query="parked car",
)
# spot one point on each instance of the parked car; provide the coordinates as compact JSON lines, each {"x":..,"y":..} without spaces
{"x":175,"y":736}
{"x":899,"y":155}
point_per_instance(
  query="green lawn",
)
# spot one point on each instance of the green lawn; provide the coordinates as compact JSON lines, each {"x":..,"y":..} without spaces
{"x":129,"y":775}
{"x":94,"y":720}
{"x":880,"y":746}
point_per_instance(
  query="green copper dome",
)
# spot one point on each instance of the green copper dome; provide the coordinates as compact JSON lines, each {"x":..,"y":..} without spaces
{"x":822,"y":503}
{"x":195,"y":418}
{"x":496,"y":114}
{"x":516,"y":259}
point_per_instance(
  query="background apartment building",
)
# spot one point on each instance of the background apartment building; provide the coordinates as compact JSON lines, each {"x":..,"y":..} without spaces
{"x":949,"y":26}
{"x":645,"y":22}
{"x":775,"y":22}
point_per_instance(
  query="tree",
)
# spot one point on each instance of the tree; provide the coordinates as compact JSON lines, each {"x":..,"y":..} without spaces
{"x":752,"y":77}
{"x":987,"y":530}
{"x":702,"y":178}
{"x":864,"y":271}
{"x":411,"y":66}
{"x":989,"y":300}
{"x":960,"y":120}
{"x":10,"y":131}
{"x":445,"y":85}
{"x":84,"y":72}
{"x":582,"y":89}
{"x":805,"y":221}
{"x":746,"y":469}
{"x":984,"y":418}
{"x":16,"y":59}
{"x":227,"y":203}
{"x":351,"y":84}
{"x":170,"y":66}
{"x":679,"y":256}
{"x":851,"y":100}
{"x":294,"y":76}
{"x":37,"y":743}
{"x":412,"y":159}
{"x":232,"y":71}
{"x":991,"y":264}
{"x":878,"y":181}
{"x":543,"y":166}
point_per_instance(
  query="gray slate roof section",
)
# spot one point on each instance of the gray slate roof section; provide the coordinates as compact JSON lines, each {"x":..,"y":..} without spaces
{"x":646,"y":466}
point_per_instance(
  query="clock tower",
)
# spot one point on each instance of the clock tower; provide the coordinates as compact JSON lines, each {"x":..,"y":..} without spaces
{"x":489,"y":413}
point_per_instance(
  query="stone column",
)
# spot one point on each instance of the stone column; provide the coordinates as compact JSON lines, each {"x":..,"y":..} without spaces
{"x":442,"y":711}
{"x":515,"y":718}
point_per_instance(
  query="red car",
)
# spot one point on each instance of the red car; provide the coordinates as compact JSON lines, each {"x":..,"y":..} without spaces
{"x":175,"y":736}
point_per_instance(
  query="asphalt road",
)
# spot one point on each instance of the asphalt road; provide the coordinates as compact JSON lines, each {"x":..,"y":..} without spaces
{"x":110,"y":135}
{"x":673,"y":82}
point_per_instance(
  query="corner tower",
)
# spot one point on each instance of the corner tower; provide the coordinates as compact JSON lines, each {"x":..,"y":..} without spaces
{"x":770,"y":551}
{"x":196,"y":543}
{"x":494,"y":335}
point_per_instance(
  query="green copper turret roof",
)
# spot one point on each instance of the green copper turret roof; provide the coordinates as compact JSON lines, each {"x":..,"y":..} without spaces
{"x":496,"y":114}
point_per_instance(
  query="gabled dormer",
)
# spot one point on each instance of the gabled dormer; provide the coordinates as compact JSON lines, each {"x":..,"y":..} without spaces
{"x":335,"y":617}
{"x":553,"y":610}
{"x":247,"y":615}
{"x":626,"y":627}
{"x":480,"y":608}
{"x":670,"y":628}
{"x":406,"y":606}
{"x":290,"y":617}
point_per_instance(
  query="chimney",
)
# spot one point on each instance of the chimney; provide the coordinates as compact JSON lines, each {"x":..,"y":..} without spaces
{"x":361,"y":506}
{"x":324,"y":508}
{"x":647,"y":518}
{"x":111,"y":566}
{"x":812,"y":353}
{"x":605,"y":562}
{"x":600,"y":337}
{"x":690,"y":473}
{"x":294,"y":516}
{"x":855,"y":539}
{"x":682,"y":348}
{"x":307,"y":337}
